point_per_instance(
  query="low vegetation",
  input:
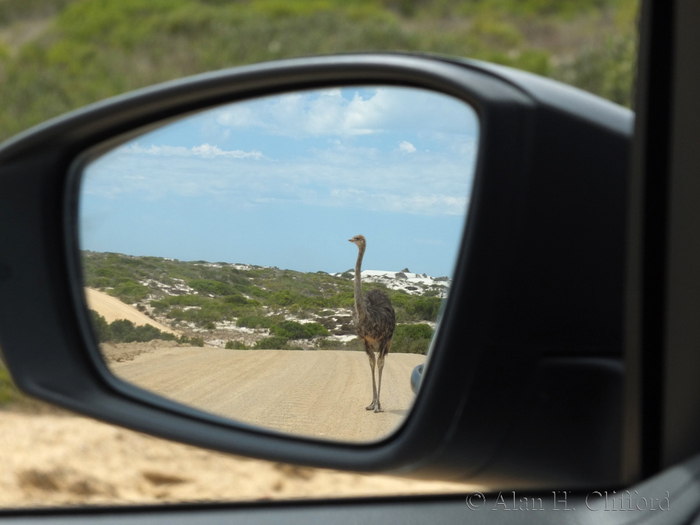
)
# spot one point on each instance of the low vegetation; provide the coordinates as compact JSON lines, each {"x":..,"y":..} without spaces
{"x":202,"y":293}
{"x":295,"y":309}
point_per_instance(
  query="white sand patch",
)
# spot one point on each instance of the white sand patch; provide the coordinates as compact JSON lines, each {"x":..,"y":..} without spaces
{"x":411,"y":283}
{"x":179,"y":286}
{"x":342,"y":338}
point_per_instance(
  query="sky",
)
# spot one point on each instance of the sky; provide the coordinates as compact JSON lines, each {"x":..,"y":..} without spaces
{"x":286,"y":180}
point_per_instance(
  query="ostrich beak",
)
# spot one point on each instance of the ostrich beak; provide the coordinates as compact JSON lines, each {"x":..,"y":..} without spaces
{"x":351,"y":240}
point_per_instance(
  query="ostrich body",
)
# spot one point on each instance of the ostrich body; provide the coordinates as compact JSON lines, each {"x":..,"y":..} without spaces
{"x":375,"y":321}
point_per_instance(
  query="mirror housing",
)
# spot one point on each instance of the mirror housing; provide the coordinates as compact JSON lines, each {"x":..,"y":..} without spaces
{"x":524,"y":387}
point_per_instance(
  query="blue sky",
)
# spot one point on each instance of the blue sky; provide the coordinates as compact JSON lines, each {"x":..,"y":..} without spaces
{"x":286,"y":180}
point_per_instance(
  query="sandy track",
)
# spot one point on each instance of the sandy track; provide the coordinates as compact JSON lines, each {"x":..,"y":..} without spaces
{"x":312,"y":393}
{"x":112,"y":309}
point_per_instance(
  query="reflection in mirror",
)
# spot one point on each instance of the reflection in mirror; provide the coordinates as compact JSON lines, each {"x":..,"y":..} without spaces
{"x":217,"y":265}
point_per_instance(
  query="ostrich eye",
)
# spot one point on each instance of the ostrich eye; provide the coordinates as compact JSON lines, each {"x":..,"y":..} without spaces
{"x":215,"y":258}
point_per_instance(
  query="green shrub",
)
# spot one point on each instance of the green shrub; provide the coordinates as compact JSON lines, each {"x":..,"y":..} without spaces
{"x":284,"y":298}
{"x":101,"y":327}
{"x":329,"y":344}
{"x":176,"y":313}
{"x":412,"y":338}
{"x":211,"y":311}
{"x":256,"y":291}
{"x":185,"y":300}
{"x":315,"y":329}
{"x":124,"y":331}
{"x":197,"y":341}
{"x":235,"y":299}
{"x":130,"y":292}
{"x":271,"y":343}
{"x":415,"y":307}
{"x":210,"y":286}
{"x":159,"y":306}
{"x":414,"y":331}
{"x":255,"y":321}
{"x":236,"y":345}
{"x":342,"y":300}
{"x":295,"y":330}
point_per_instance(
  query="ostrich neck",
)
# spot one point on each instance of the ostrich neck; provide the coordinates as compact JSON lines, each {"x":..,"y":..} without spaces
{"x":359,"y":300}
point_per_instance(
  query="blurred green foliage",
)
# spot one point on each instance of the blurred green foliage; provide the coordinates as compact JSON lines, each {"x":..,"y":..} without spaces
{"x":57,"y":55}
{"x":8,"y":390}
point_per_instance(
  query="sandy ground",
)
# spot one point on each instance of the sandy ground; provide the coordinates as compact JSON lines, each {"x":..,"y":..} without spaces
{"x":51,"y":459}
{"x":311,"y":393}
{"x":112,"y":309}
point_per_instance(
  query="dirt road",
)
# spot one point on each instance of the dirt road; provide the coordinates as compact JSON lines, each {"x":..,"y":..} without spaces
{"x":311,"y":393}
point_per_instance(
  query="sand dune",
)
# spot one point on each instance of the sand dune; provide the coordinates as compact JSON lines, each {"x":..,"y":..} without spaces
{"x":112,"y":309}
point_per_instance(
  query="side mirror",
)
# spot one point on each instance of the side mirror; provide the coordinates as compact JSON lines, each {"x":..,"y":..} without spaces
{"x":524,"y":383}
{"x":416,"y":377}
{"x":281,"y":334}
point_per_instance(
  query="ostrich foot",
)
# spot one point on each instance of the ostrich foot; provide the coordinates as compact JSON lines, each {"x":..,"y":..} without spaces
{"x":374,"y":406}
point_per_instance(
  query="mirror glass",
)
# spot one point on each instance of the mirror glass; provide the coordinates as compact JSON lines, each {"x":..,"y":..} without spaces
{"x":223,"y":254}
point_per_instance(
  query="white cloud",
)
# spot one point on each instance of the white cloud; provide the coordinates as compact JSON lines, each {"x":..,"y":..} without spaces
{"x":205,"y":151}
{"x":424,"y":184}
{"x":407,"y":147}
{"x":400,"y":201}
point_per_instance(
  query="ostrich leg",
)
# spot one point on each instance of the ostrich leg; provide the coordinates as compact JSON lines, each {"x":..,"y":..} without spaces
{"x":380,"y":365}
{"x":384,"y":348}
{"x":375,"y":398}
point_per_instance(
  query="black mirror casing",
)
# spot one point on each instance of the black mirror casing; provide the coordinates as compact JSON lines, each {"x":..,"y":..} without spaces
{"x":524,"y":385}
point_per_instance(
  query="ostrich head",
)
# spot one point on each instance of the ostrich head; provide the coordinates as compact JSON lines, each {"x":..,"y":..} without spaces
{"x":359,"y":240}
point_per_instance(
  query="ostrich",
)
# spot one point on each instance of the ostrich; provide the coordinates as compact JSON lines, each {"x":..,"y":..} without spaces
{"x":374,"y":323}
